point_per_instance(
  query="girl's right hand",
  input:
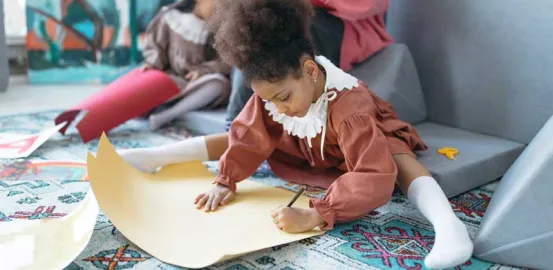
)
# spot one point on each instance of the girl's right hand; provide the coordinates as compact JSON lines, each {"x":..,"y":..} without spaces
{"x":218,"y":195}
{"x":145,"y":67}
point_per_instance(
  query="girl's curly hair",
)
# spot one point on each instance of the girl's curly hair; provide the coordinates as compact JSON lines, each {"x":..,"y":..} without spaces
{"x":265,"y":39}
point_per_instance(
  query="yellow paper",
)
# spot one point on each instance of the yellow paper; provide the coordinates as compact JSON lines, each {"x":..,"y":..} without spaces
{"x":157,"y":212}
{"x":48,"y":243}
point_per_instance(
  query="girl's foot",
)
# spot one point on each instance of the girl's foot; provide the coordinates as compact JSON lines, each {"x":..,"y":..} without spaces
{"x":152,"y":158}
{"x":452,"y":245}
{"x":155,"y":122}
{"x":141,"y":159}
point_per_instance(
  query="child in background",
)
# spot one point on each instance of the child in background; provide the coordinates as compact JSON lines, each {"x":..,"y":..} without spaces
{"x":316,"y":125}
{"x":178,"y":43}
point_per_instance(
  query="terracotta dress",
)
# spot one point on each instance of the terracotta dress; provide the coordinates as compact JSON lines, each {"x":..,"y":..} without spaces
{"x":177,"y":43}
{"x":345,"y":144}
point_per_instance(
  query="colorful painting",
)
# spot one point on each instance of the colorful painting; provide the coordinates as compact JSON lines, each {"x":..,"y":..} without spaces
{"x":90,"y":41}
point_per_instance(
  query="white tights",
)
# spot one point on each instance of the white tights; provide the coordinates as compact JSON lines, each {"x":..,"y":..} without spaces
{"x":198,"y":98}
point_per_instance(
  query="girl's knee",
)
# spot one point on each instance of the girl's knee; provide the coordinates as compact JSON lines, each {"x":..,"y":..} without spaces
{"x":218,"y":85}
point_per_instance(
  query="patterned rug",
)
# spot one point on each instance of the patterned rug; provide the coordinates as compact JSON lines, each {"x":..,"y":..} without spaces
{"x":53,"y":181}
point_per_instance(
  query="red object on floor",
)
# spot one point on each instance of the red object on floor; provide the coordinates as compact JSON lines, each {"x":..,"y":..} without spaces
{"x":128,"y":97}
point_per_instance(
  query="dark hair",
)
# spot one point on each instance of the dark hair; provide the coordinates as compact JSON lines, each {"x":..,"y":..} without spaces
{"x":265,"y":39}
{"x":185,"y":6}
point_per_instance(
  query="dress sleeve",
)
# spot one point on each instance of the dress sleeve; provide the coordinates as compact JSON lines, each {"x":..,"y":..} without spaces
{"x":354,"y":9}
{"x":253,"y":137}
{"x":371,"y":175}
{"x":157,"y":40}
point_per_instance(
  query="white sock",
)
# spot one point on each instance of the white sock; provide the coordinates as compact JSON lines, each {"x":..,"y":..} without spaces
{"x":150,"y":159}
{"x":452,"y":245}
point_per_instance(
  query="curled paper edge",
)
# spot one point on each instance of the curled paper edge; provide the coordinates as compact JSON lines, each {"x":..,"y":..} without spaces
{"x":55,"y":244}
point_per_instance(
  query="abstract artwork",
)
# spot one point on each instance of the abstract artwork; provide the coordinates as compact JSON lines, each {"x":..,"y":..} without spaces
{"x":86,"y":41}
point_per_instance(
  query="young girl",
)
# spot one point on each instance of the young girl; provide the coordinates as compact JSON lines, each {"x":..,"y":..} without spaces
{"x":316,"y":125}
{"x":177,"y":42}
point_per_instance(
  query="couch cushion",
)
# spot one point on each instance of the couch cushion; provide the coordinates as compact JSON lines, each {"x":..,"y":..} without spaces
{"x":481,"y":158}
{"x":391,"y":74}
{"x":516,"y":229}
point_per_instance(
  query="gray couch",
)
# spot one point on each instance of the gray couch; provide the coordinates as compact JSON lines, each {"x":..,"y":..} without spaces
{"x":486,"y":67}
{"x":477,"y":76}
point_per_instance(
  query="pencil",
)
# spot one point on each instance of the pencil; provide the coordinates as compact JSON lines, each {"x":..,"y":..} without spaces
{"x":296,"y":197}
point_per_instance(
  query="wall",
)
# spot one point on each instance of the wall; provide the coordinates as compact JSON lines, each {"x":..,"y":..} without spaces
{"x":485,"y":66}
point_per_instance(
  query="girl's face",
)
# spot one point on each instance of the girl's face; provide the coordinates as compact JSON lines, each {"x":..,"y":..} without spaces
{"x":292,"y":96}
{"x":204,"y":8}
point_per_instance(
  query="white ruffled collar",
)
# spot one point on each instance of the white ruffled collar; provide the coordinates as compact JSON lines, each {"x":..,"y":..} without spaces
{"x":187,"y":25}
{"x":314,"y":122}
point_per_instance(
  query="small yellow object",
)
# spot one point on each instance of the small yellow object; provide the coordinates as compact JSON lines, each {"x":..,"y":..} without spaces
{"x":449,"y":152}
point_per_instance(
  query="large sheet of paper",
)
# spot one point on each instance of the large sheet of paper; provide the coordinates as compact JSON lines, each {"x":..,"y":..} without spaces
{"x":130,"y":96}
{"x":14,"y":145}
{"x":157,"y":212}
{"x":48,"y":243}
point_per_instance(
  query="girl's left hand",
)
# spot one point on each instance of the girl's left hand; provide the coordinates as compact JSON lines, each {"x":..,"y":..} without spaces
{"x":192,"y":75}
{"x":296,"y":220}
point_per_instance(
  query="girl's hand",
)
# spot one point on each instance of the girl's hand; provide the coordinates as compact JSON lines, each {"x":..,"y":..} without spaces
{"x":296,"y":220}
{"x":218,"y":195}
{"x":145,"y":67}
{"x":192,"y":75}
